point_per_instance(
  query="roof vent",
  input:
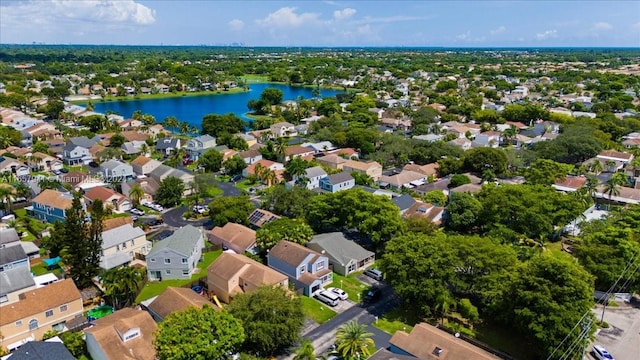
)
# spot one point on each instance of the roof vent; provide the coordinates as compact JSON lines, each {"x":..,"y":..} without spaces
{"x":437,"y":351}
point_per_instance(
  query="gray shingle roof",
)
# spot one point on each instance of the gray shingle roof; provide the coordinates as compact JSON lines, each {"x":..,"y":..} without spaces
{"x":11,"y":254}
{"x":340,"y":248}
{"x":167,"y":143}
{"x":84,"y":141}
{"x":8,"y":235}
{"x":340,"y":177}
{"x":119,"y":235}
{"x":161,"y":170}
{"x":315,"y":171}
{"x":181,"y":241}
{"x":111,"y":164}
{"x":42,"y":350}
{"x":15,"y":279}
{"x":403,"y":201}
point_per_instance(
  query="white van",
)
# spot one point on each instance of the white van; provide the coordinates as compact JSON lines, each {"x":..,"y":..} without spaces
{"x":374,"y":274}
{"x":328,"y":298}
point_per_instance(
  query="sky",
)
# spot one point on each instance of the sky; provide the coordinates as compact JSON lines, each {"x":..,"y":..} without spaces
{"x":453,"y":23}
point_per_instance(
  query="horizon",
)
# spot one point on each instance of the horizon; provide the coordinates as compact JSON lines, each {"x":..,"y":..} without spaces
{"x":438,"y":24}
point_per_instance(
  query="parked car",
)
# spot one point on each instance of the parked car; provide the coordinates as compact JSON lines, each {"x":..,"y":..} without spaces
{"x":64,"y":171}
{"x":601,"y":353}
{"x":93,"y":164}
{"x":136,"y":212}
{"x":235,"y":178}
{"x":187,"y":162}
{"x":199,"y":209}
{"x":328,"y":298}
{"x":341,"y":294}
{"x":372,"y":295}
{"x":374,"y":274}
{"x":56,"y":172}
{"x":134,"y":217}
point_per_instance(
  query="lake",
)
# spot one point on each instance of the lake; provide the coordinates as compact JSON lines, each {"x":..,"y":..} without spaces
{"x":193,"y":108}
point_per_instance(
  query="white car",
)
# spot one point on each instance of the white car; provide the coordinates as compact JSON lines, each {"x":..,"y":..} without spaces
{"x":136,"y":212}
{"x":341,"y":294}
{"x":601,"y":353}
{"x":199,"y":209}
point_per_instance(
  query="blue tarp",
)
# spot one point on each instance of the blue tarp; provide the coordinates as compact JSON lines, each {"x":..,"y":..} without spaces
{"x":52,"y":262}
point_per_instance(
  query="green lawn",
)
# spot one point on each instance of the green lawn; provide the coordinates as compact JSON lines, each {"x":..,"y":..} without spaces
{"x":397,"y":319}
{"x":41,"y":269}
{"x":245,"y":185}
{"x":505,"y":339}
{"x":350,"y":285}
{"x":315,"y":310}
{"x":152,"y":289}
{"x":555,"y":248}
{"x":81,"y":169}
{"x":255,"y":78}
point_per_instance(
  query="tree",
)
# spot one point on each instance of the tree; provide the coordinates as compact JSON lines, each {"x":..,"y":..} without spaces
{"x":235,"y":209}
{"x":9,"y":137}
{"x":82,"y":241}
{"x":292,"y":203}
{"x":271,"y":96}
{"x":234,"y":165}
{"x":199,"y":334}
{"x":171,"y":122}
{"x":296,"y":168}
{"x":74,"y":342}
{"x":170,"y":191}
{"x":305,"y":351}
{"x":294,"y":230}
{"x":612,"y":187}
{"x":463,"y":212}
{"x":480,"y":159}
{"x":362,"y":178}
{"x":216,"y":125}
{"x":458,"y":180}
{"x":211,"y":160}
{"x":122,"y":285}
{"x":40,"y":146}
{"x":546,"y":172}
{"x":7,"y":194}
{"x":271,"y":317}
{"x":353,"y":341}
{"x":136,"y":193}
{"x":116,"y":141}
{"x":544,"y":299}
{"x":436,"y":197}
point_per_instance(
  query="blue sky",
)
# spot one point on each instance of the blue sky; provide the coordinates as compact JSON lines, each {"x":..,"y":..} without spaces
{"x":476,"y":23}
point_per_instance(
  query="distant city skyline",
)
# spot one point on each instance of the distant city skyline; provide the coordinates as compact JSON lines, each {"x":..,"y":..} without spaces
{"x":323,"y":23}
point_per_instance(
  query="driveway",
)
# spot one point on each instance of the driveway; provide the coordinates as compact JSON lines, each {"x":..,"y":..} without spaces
{"x":622,"y":338}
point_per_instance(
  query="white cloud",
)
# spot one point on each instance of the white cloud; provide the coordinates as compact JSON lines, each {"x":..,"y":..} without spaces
{"x":236,"y":25}
{"x":94,"y":12}
{"x":344,"y":13}
{"x":497,"y":31}
{"x":391,"y":19}
{"x":602,"y":26}
{"x":365,"y":30}
{"x":464,"y":36}
{"x":287,"y":17}
{"x":547,"y":35}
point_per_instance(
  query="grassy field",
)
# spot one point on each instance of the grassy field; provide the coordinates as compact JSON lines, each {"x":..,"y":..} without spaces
{"x":245,"y":185}
{"x":350,"y":285}
{"x":255,"y":78}
{"x":315,"y":310}
{"x":397,"y":319}
{"x":505,"y":339}
{"x":152,"y":289}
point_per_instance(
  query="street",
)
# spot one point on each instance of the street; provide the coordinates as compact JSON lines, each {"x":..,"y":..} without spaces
{"x":622,"y":338}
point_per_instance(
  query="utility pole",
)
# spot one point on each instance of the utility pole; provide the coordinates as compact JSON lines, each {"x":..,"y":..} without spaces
{"x":585,"y":335}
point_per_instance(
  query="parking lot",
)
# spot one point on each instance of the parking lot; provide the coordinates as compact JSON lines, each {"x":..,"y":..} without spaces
{"x":622,"y":338}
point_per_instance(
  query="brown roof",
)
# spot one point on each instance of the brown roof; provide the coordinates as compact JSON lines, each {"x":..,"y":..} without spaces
{"x":361,"y":165}
{"x":573,"y":182}
{"x":40,"y":300}
{"x":403,"y":177}
{"x":141,"y":160}
{"x":102,"y":193}
{"x":236,"y":234}
{"x":177,"y":299}
{"x":134,"y":135}
{"x":229,"y":265}
{"x":468,"y":188}
{"x":332,"y":159}
{"x":113,"y":223}
{"x":292,"y":253}
{"x":249,"y":153}
{"x":297,"y":150}
{"x":426,"y":342}
{"x":428,"y":169}
{"x":615,"y":154}
{"x":54,"y":199}
{"x":106,"y":333}
{"x":260,"y":217}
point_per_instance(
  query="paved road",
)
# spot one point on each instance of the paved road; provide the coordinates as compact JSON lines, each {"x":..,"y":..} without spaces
{"x":622,"y":338}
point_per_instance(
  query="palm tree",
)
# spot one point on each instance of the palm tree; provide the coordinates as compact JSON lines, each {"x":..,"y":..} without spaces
{"x":509,"y":134}
{"x":122,"y":285}
{"x":596,"y":166}
{"x":612,"y":187}
{"x":171,"y":122}
{"x":353,"y":341}
{"x":184,"y":127}
{"x":444,"y":303}
{"x":269,"y":176}
{"x":280,"y":147}
{"x":296,"y":168}
{"x":194,"y":130}
{"x":6,"y":196}
{"x":22,"y":190}
{"x":136,"y":193}
{"x":305,"y":351}
{"x":259,"y":170}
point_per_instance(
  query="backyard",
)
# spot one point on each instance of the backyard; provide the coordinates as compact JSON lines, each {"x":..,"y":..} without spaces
{"x":399,"y":318}
{"x":152,"y":289}
{"x":316,"y":310}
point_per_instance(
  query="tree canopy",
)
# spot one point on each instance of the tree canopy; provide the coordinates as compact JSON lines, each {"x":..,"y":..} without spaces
{"x":294,"y":230}
{"x":235,"y":209}
{"x":216,"y":125}
{"x":170,"y":191}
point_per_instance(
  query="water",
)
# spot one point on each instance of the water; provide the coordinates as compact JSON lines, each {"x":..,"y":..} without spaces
{"x":193,"y":108}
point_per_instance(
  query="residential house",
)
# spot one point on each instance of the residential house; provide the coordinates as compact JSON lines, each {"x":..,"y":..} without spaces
{"x":248,"y":138}
{"x":127,"y":334}
{"x":337,"y":182}
{"x":443,"y":184}
{"x":133,"y":135}
{"x":463,"y":143}
{"x":132,"y":147}
{"x":407,"y":179}
{"x":43,"y":162}
{"x":283,"y":129}
{"x":613,"y":155}
{"x":332,"y":161}
{"x":38,"y":311}
{"x":320,"y":147}
{"x":429,"y":137}
{"x":80,"y":181}
{"x":403,"y":202}
{"x":306,"y":268}
{"x":488,"y":139}
{"x":143,"y":165}
{"x":13,"y":257}
{"x":175,"y":299}
{"x":50,"y":205}
{"x":167,"y":145}
{"x":162,"y":172}
{"x":52,"y":348}
{"x":311,"y":177}
{"x":199,"y":145}
{"x":372,"y":168}
{"x":428,"y":169}
{"x":233,"y":274}
{"x":121,"y":244}
{"x":14,"y":167}
{"x":296,"y":151}
{"x":235,"y":237}
{"x":177,"y":256}
{"x":9,"y":237}
{"x":427,"y":342}
{"x":570,"y":183}
{"x":626,"y":195}
{"x":250,"y":156}
{"x":345,"y":256}
{"x":149,"y":187}
{"x":14,"y":282}
{"x":114,"y":170}
{"x":271,"y":165}
{"x":76,"y":155}
{"x":110,"y":199}
{"x":422,"y":210}
{"x":259,"y":217}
